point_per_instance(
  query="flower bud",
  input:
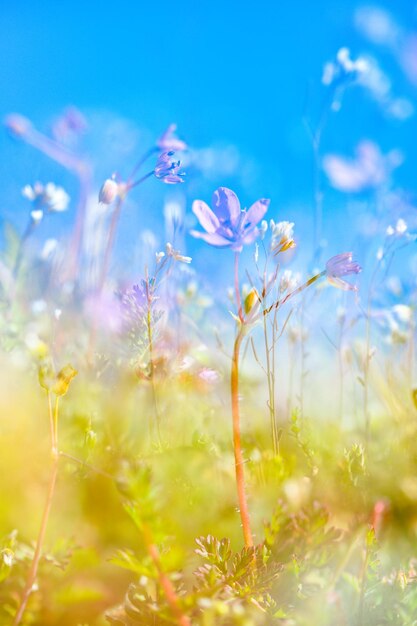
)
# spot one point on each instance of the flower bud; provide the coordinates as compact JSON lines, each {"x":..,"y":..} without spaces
{"x":17,"y":125}
{"x":63,"y":379}
{"x":108,"y":191}
{"x":250,"y":300}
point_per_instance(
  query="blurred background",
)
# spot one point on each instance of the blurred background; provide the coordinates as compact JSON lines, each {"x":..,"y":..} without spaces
{"x":243,"y":85}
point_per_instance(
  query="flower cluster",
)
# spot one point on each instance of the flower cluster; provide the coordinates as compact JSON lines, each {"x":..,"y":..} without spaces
{"x":168,"y":170}
{"x":49,"y":197}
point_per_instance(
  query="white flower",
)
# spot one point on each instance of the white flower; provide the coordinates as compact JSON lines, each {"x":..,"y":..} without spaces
{"x":49,"y":196}
{"x":289,"y":281}
{"x":343,"y":68}
{"x":403,"y":312}
{"x":36,"y":215}
{"x":282,"y":236}
{"x":399,"y":229}
{"x":176,"y":255}
{"x":108,"y":191}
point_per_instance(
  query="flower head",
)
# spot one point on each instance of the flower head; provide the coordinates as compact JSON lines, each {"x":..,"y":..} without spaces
{"x":49,"y":196}
{"x":168,"y":141}
{"x":108,"y":191}
{"x":18,"y":125}
{"x":344,"y":69}
{"x":227,"y":225}
{"x":168,"y":170}
{"x":282,"y":236}
{"x":342,"y":265}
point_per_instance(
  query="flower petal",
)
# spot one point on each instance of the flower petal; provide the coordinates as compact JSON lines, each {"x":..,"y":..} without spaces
{"x":341,"y":284}
{"x":256,"y":212}
{"x":251,"y":236}
{"x":226,"y":205}
{"x":212,"y":238}
{"x":205,"y":216}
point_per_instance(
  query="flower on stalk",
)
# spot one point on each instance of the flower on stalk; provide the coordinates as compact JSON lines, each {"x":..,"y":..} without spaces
{"x":227,"y":225}
{"x":169,"y":142}
{"x":339,"y":266}
{"x":168,"y":170}
{"x":344,"y":69}
{"x":176,"y":254}
{"x":49,"y":197}
{"x":108,"y":191}
{"x":282,"y":236}
{"x":18,"y":125}
{"x":399,"y":229}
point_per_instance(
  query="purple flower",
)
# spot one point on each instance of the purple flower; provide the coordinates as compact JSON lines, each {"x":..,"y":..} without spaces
{"x":342,"y":265}
{"x":167,"y":170}
{"x":227,"y":225}
{"x":168,"y":141}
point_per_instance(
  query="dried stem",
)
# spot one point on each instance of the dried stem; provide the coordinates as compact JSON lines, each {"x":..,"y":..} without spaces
{"x":53,"y":422}
{"x":237,"y":444}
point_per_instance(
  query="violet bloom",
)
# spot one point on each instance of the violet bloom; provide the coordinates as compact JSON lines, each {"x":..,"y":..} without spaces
{"x":342,"y":265}
{"x":168,"y":170}
{"x":227,"y":225}
{"x":168,"y":141}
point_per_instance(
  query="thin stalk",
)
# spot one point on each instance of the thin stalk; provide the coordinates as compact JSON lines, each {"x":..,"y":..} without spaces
{"x":84,"y":177}
{"x":341,"y":373}
{"x":363,"y":587}
{"x":237,"y":444}
{"x":237,"y":290}
{"x":164,"y":580}
{"x":53,"y":421}
{"x":271,"y":388}
{"x":290,"y":295}
{"x":19,"y":257}
{"x":151,"y":356}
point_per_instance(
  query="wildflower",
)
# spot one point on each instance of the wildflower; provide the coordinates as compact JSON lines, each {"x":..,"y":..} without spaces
{"x":289,"y":281}
{"x":282,"y":236}
{"x":36,"y":216}
{"x":339,"y":266}
{"x":227,"y":225}
{"x":49,"y":196}
{"x":344,"y":69}
{"x":176,"y":255}
{"x":167,"y":170}
{"x":403,"y":312}
{"x":168,"y":141}
{"x":108,"y":191}
{"x":18,"y":125}
{"x":70,"y":124}
{"x":368,"y":170}
{"x":399,"y":229}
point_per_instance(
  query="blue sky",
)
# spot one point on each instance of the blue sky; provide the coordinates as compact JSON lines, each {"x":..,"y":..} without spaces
{"x":229,"y":73}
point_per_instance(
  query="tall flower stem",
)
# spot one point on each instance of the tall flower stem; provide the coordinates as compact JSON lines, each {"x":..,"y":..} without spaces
{"x":237,"y":290}
{"x":270,"y":374}
{"x":237,"y":443}
{"x":31,"y":579}
{"x":151,"y":356}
